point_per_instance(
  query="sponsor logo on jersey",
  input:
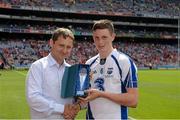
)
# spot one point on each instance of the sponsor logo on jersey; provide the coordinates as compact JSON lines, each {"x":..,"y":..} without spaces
{"x":108,"y":76}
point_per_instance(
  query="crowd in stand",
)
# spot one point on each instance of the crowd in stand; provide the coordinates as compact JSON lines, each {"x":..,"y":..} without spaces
{"x":125,"y":7}
{"x":36,"y":3}
{"x":47,"y":29}
{"x":150,"y":54}
{"x":21,"y":53}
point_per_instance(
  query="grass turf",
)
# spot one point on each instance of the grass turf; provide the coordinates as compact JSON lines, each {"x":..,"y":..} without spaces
{"x":159,"y":95}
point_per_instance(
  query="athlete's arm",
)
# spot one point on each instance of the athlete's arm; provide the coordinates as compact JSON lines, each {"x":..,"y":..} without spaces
{"x":129,"y":99}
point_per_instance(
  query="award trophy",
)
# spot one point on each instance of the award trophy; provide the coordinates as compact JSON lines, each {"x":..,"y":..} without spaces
{"x":82,"y":82}
{"x":75,"y":81}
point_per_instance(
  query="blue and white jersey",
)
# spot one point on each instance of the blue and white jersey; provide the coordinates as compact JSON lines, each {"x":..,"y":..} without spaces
{"x":118,"y":73}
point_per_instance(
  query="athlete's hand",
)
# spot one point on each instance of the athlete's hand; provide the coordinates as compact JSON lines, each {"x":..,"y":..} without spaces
{"x":92,"y":94}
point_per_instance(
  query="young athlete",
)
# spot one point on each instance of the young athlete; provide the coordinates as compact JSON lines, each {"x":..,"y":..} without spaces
{"x":114,"y":77}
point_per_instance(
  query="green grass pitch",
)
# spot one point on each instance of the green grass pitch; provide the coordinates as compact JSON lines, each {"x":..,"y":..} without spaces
{"x":159,"y":95}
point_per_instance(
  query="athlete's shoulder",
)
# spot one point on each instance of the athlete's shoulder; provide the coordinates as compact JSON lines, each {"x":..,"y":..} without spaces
{"x":120,"y":56}
{"x":92,"y":59}
{"x":124,"y":59}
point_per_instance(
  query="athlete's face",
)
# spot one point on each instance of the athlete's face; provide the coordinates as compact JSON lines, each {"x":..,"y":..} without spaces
{"x":103,"y":40}
{"x":61,"y":48}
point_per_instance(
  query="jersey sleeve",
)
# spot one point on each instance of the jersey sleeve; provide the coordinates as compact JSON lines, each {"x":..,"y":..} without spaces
{"x":131,"y":76}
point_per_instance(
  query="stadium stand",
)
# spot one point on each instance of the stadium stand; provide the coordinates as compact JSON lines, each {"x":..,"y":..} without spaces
{"x":21,"y":53}
{"x":147,"y":30}
{"x":147,"y":8}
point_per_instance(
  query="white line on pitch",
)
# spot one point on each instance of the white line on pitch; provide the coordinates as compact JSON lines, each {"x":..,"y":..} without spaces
{"x":20,"y":73}
{"x":131,"y":118}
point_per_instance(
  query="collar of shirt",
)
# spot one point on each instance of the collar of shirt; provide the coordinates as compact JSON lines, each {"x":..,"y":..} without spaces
{"x":53,"y":62}
{"x":114,"y":51}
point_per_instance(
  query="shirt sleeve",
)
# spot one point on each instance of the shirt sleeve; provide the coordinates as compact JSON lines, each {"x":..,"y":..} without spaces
{"x":35,"y":98}
{"x":131,"y":77}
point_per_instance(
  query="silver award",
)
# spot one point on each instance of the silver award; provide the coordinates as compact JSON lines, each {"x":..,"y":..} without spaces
{"x":82,"y":83}
{"x":75,"y":81}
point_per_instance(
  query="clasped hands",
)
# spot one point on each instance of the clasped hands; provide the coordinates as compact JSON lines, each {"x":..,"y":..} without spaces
{"x":71,"y":110}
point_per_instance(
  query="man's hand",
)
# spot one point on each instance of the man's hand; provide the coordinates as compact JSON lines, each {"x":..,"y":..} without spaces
{"x":70,"y":111}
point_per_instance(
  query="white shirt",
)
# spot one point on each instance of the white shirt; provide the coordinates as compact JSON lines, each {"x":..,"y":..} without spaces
{"x":44,"y":89}
{"x":107,"y":78}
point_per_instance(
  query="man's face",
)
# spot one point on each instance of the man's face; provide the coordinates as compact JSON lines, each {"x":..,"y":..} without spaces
{"x":61,"y":48}
{"x":103,"y":40}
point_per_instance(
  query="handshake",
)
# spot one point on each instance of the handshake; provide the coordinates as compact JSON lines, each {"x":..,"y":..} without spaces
{"x":71,"y":110}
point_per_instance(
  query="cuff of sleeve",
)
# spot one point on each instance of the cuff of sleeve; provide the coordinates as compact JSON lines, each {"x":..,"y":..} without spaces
{"x":59,"y":108}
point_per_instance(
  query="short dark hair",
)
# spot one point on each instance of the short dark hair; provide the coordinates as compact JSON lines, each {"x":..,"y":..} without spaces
{"x":62,"y":32}
{"x":103,"y":24}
